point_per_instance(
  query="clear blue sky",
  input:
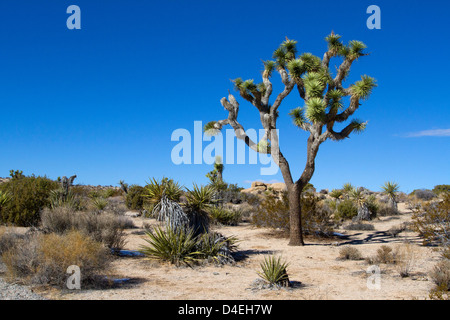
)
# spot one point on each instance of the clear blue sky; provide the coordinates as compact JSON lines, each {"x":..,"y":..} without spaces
{"x":103,"y":101}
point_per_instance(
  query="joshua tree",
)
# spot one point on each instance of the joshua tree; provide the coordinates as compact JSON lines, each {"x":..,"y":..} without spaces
{"x":363,"y":211}
{"x":216,"y":176}
{"x":323,"y":93}
{"x":391,"y":189}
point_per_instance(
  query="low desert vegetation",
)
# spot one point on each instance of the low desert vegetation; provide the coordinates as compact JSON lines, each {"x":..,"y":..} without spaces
{"x":44,"y":258}
{"x":188,"y":220}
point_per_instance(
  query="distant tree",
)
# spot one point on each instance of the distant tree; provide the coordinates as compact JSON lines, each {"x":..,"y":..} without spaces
{"x":216,"y":176}
{"x":324,"y":96}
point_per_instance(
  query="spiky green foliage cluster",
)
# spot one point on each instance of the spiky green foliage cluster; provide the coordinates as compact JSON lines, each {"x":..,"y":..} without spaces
{"x":182,"y":246}
{"x":210,"y":129}
{"x":274,"y":271}
{"x":336,"y":193}
{"x":364,"y":87}
{"x":173,"y":245}
{"x":298,"y":116}
{"x":315,"y":110}
{"x":155,"y":190}
{"x":335,"y":45}
{"x":390,"y":188}
{"x":199,"y":198}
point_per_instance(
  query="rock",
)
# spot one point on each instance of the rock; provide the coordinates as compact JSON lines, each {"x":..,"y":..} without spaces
{"x":258,"y":184}
{"x":278,"y":187}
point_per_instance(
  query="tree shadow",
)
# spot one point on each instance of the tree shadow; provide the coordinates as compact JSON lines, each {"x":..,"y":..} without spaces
{"x":242,"y":255}
{"x":384,"y":237}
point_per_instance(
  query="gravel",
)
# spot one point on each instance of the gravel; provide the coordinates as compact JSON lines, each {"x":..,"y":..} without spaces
{"x":17,"y":292}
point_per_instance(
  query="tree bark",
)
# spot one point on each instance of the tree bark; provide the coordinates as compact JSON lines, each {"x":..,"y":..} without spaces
{"x":295,"y":216}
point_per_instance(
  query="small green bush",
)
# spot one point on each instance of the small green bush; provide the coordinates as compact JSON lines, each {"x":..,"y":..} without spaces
{"x":346,"y":209}
{"x":28,"y":196}
{"x":134,"y":199}
{"x":441,"y":188}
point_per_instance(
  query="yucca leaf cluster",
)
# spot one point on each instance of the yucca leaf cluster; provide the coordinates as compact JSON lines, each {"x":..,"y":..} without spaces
{"x":182,"y":246}
{"x":273,"y":270}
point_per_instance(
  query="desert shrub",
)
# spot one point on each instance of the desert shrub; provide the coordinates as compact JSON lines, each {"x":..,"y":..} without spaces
{"x":273,"y":270}
{"x":441,"y":188}
{"x":22,"y":259}
{"x":385,"y":255}
{"x":346,"y":209}
{"x":112,"y":192}
{"x":385,"y":210}
{"x":272,"y":213}
{"x":440,"y":275}
{"x":404,"y":257}
{"x":8,"y":239}
{"x":423,"y":194}
{"x":134,"y":199}
{"x":44,"y":259}
{"x":103,"y":228}
{"x":349,"y":253}
{"x":316,"y":216}
{"x":28,"y":196}
{"x":223,"y":216}
{"x":373,"y":206}
{"x":433,"y":222}
{"x":252,"y":199}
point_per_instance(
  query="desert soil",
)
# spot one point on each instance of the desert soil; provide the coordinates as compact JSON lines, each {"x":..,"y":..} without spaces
{"x":314,"y":269}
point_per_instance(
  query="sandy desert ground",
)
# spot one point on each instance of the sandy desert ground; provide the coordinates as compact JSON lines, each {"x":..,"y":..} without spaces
{"x":314,"y":269}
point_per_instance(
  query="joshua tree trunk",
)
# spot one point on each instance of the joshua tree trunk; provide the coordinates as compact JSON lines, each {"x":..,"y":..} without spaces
{"x":393,"y":203}
{"x":295,"y":217}
{"x":363,"y":213}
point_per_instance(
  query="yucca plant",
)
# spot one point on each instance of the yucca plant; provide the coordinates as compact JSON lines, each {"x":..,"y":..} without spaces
{"x":216,"y":247}
{"x":336,"y":194}
{"x":199,"y":201}
{"x":391,"y":189}
{"x":99,"y":203}
{"x":347,"y":189}
{"x":156,"y":189}
{"x":59,"y":198}
{"x":199,"y":198}
{"x":274,"y":271}
{"x":170,"y":212}
{"x":173,"y":245}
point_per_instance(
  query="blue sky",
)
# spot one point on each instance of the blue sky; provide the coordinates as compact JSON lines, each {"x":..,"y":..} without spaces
{"x":103,"y":101}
